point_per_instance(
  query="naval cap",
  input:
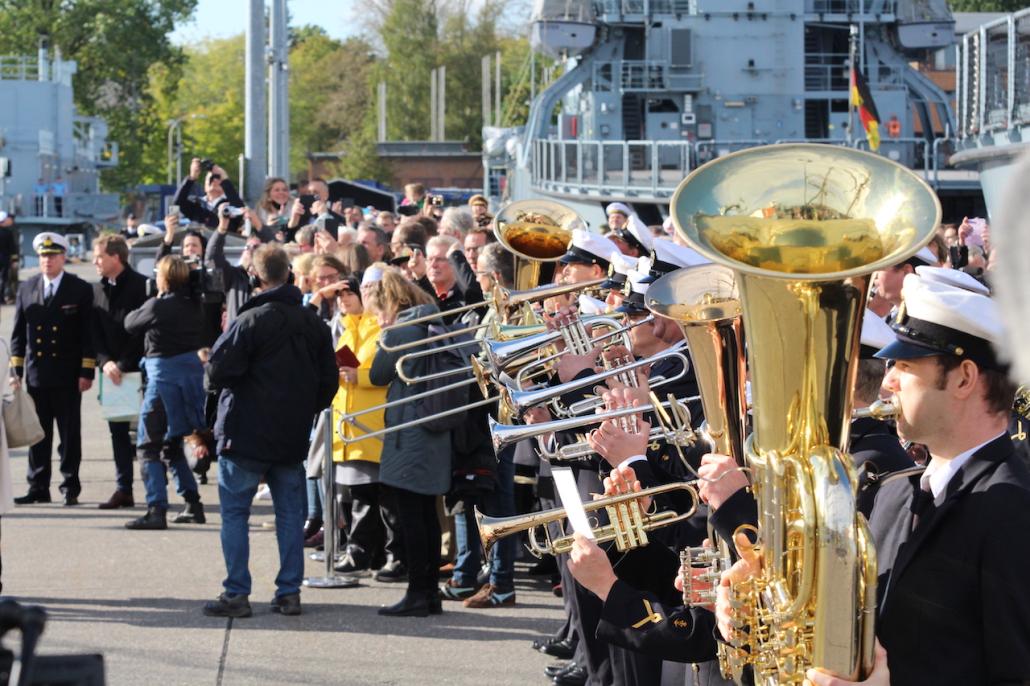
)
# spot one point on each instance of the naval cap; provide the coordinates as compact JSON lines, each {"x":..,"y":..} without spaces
{"x":633,"y":303}
{"x":925,"y":256}
{"x":589,"y":248}
{"x":670,"y":256}
{"x":952,"y":277}
{"x":50,"y":243}
{"x":936,"y":318}
{"x":876,"y":334}
{"x":618,"y":208}
{"x":617,"y":270}
{"x":589,"y":305}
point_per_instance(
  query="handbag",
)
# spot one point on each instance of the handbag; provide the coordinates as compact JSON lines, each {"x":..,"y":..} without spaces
{"x":21,"y":423}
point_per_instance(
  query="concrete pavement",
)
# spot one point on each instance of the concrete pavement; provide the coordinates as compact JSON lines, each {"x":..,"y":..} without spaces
{"x":135,"y":597}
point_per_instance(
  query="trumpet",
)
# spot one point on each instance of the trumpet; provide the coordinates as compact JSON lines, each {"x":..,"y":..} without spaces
{"x":505,"y":434}
{"x":628,"y":527}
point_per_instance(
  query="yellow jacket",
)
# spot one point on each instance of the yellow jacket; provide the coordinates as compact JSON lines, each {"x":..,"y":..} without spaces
{"x":359,"y":333}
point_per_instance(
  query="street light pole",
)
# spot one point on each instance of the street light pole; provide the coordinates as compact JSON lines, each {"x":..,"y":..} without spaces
{"x":173,"y":127}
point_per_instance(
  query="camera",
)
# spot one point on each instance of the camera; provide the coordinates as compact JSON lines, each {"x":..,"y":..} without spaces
{"x":207,"y":165}
{"x":227,"y":210}
{"x":436,"y":200}
{"x":205,"y":285}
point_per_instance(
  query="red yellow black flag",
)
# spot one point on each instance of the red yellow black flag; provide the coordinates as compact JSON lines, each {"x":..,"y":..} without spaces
{"x":862,"y":100}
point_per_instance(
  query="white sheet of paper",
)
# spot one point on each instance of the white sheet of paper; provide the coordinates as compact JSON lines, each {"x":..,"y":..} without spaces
{"x":120,"y":403}
{"x":565,"y":482}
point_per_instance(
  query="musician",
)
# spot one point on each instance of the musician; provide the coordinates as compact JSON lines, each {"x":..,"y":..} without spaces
{"x":627,"y":231}
{"x":52,"y":347}
{"x":874,"y":446}
{"x":953,"y":599}
{"x":587,"y":257}
{"x":618,"y":272}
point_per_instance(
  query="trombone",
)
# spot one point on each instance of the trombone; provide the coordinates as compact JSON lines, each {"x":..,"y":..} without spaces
{"x":628,"y":526}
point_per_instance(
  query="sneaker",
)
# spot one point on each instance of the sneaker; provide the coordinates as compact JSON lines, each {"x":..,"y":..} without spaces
{"x":348,"y":565}
{"x":228,"y":606}
{"x":392,"y":572}
{"x":488,"y":597}
{"x":452,"y":591}
{"x":286,"y":604}
{"x":264,"y":493}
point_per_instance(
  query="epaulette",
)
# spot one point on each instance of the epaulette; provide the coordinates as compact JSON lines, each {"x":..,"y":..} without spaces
{"x":1021,"y":404}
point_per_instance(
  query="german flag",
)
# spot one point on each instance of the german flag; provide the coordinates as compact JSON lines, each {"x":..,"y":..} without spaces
{"x":863,"y":102}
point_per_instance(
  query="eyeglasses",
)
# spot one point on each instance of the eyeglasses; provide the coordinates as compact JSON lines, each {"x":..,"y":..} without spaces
{"x":328,"y":278}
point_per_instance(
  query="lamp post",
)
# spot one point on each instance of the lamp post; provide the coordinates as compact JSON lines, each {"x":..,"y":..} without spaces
{"x":175,"y":150}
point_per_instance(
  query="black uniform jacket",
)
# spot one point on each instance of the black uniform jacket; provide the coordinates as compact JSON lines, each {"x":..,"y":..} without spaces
{"x":54,"y":343}
{"x":876,"y":452}
{"x":110,"y":305}
{"x":954,"y":597}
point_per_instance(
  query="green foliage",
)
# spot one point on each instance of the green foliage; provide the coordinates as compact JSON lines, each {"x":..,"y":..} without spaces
{"x":116,"y":43}
{"x":409,"y":35}
{"x":987,"y":5}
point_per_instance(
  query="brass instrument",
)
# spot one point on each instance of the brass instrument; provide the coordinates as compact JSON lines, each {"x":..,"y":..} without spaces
{"x":535,"y":231}
{"x":802,"y":227}
{"x":628,"y":526}
{"x":881,"y":409}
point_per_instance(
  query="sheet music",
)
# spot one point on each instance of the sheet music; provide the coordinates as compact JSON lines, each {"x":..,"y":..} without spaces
{"x":568,"y":494}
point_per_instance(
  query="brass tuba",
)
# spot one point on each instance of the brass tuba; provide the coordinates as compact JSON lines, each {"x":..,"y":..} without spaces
{"x":535,"y":231}
{"x":803,"y":227}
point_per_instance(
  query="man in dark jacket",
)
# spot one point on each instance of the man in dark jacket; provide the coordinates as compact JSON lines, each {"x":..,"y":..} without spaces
{"x":120,"y":290}
{"x":275,"y":348}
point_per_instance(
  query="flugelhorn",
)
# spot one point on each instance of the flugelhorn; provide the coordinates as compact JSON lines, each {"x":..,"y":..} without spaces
{"x":628,"y":527}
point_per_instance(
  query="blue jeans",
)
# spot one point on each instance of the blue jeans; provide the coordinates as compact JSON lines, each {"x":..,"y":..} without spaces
{"x":156,"y":482}
{"x":499,"y":503}
{"x":236,"y":490}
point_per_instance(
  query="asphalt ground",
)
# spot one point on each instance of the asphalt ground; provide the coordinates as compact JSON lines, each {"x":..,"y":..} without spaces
{"x":136,"y":598}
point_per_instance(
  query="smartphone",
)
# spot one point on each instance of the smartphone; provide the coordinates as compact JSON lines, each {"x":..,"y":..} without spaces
{"x":173,"y":210}
{"x":436,"y":200}
{"x":307,"y":201}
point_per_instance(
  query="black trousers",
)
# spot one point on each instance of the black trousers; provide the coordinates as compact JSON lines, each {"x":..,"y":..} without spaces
{"x":63,"y":406}
{"x":416,"y":515}
{"x":124,"y":455}
{"x":374,"y":533}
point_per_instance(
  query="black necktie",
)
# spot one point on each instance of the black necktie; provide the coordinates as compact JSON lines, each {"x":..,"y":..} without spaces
{"x":49,"y":294}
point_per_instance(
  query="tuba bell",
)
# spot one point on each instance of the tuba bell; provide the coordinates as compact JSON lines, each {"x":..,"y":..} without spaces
{"x":536,"y":232}
{"x":803,"y":227}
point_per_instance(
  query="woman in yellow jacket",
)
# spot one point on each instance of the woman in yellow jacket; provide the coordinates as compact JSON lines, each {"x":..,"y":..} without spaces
{"x":357,"y":464}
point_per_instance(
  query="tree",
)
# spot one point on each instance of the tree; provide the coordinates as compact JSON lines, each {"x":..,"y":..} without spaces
{"x":116,"y":43}
{"x":409,"y":36}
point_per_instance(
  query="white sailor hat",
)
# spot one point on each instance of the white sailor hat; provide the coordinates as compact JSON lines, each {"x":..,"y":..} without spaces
{"x":633,"y":303}
{"x":3,"y":216}
{"x":617,"y":270}
{"x":636,"y":234}
{"x":925,"y":256}
{"x":618,"y":208}
{"x":148,"y":230}
{"x":669,"y":256}
{"x":668,"y":226}
{"x":589,"y":248}
{"x":50,"y":243}
{"x":952,"y":277}
{"x":589,"y":305}
{"x":876,"y":334}
{"x":936,"y":318}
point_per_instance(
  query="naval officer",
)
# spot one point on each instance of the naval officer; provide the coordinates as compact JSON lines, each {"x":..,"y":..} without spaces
{"x":52,"y":351}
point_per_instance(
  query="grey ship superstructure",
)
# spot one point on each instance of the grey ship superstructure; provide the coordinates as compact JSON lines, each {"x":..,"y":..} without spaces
{"x":653,"y":88}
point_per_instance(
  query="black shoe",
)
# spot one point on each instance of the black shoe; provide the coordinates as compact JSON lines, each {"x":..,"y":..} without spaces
{"x":577,"y":676}
{"x":71,"y":500}
{"x":348,"y":565}
{"x":286,"y":604}
{"x":33,"y":497}
{"x":411,"y":605}
{"x":193,"y":514}
{"x":544,"y":567}
{"x":229,"y":606}
{"x":202,"y":479}
{"x":392,"y":572}
{"x":154,"y":519}
{"x":561,"y":649}
{"x":435,"y":602}
{"x":551,"y":671}
{"x":312,"y":527}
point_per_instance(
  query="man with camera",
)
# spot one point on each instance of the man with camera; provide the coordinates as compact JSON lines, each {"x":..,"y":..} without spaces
{"x":311,"y":208}
{"x":218,"y":191}
{"x":277,"y":343}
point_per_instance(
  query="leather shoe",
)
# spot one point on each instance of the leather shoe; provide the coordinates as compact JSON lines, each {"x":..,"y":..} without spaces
{"x":71,"y":500}
{"x":33,"y":497}
{"x":577,"y":676}
{"x":551,"y":671}
{"x":118,"y":499}
{"x":561,"y":649}
{"x":411,"y":605}
{"x":312,"y":527}
{"x":435,"y":602}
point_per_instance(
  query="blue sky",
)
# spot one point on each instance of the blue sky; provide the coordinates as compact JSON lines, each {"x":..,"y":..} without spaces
{"x":221,"y":18}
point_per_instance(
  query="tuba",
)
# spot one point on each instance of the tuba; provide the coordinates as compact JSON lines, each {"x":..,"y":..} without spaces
{"x":536,"y":232}
{"x":803,"y":227}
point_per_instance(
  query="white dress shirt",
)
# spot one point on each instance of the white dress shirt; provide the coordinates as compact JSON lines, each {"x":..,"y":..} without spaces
{"x":939,"y":472}
{"x":50,"y":286}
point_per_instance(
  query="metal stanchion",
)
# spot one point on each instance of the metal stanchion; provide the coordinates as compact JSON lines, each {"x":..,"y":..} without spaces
{"x":331,"y":578}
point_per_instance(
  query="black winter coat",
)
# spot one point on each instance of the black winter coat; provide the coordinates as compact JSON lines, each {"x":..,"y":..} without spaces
{"x":276,"y":370}
{"x":110,"y":306}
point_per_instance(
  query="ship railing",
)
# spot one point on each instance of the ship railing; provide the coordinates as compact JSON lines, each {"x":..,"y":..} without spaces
{"x":618,"y":8}
{"x":18,"y":68}
{"x":633,"y":167}
{"x":851,"y":7}
{"x":993,"y":76}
